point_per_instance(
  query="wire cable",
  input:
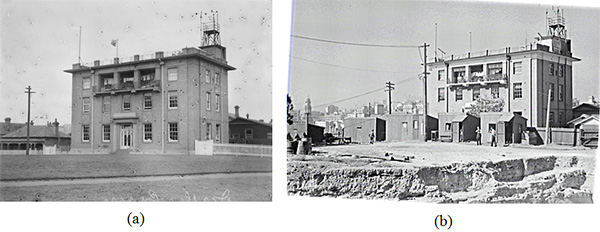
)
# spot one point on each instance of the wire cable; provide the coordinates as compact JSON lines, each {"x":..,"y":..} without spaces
{"x":346,"y":67}
{"x":355,"y":44}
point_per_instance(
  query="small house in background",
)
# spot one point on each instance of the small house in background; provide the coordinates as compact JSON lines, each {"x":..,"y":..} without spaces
{"x":41,"y":138}
{"x":509,"y":127}
{"x":358,"y":129}
{"x":7,"y":126}
{"x":451,"y":125}
{"x":406,"y":127}
{"x":585,"y":108}
{"x":249,"y":131}
{"x":588,"y":126}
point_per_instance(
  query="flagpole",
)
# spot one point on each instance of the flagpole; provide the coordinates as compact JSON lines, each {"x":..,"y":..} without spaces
{"x":79,"y":45}
{"x":117,"y":48}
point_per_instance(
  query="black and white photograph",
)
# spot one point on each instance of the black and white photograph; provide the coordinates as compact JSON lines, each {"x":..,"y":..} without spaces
{"x":136,"y":101}
{"x":443,"y":102}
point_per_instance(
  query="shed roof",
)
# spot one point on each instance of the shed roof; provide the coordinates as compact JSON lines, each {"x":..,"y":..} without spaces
{"x":36,"y":132}
{"x":460,"y":118}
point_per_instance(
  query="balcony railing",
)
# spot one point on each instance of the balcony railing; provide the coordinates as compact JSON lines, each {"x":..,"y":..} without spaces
{"x":497,"y":78}
{"x":128,"y":87}
{"x":161,"y":54}
{"x":506,"y":50}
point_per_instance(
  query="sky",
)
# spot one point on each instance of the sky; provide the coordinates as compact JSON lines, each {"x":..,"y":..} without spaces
{"x":328,"y":72}
{"x":40,"y":39}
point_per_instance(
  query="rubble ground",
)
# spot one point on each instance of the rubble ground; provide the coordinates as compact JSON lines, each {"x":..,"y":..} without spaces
{"x":445,"y":173}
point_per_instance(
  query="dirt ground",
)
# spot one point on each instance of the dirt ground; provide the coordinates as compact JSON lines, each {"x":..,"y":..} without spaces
{"x":135,"y":178}
{"x":211,"y":187}
{"x":446,"y":172}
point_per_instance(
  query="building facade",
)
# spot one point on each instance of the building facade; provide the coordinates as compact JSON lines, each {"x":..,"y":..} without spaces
{"x":525,"y":78}
{"x":159,"y":103}
{"x":522,"y":77}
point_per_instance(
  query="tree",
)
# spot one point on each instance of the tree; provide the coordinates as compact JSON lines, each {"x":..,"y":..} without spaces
{"x":290,"y":108}
{"x":483,"y":105}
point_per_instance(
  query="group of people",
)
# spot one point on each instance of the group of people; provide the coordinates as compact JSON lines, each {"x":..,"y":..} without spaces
{"x":493,"y":133}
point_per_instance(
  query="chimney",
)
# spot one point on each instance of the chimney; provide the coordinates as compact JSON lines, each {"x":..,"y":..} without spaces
{"x":7,"y":120}
{"x":237,"y":111}
{"x":55,"y":124}
{"x":248,"y":116}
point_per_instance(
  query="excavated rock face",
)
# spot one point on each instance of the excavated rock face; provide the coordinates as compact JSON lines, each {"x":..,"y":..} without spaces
{"x":533,"y":180}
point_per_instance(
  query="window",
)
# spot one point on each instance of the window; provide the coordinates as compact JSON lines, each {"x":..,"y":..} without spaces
{"x":173,"y":132}
{"x":148,"y":132}
{"x":552,"y":92}
{"x":172,"y":74}
{"x":86,"y":83}
{"x":217,"y":102}
{"x":517,"y":90}
{"x":441,"y":94}
{"x":148,"y":101}
{"x":517,"y":67}
{"x":235,"y":136}
{"x":551,"y":69}
{"x":127,"y":102}
{"x":86,"y":105}
{"x":249,"y":134}
{"x":105,"y":133}
{"x":404,"y":124}
{"x":106,"y":104}
{"x":207,"y":101}
{"x":208,"y":131}
{"x":217,"y":78}
{"x":441,"y":74}
{"x":459,"y":94}
{"x":491,"y":126}
{"x":218,"y":133}
{"x":207,"y":76}
{"x":551,"y":118}
{"x":416,"y":124}
{"x":494,"y":71}
{"x":85,"y":133}
{"x":172,"y":99}
{"x":561,"y":92}
{"x":495,"y":92}
{"x":476,"y":93}
{"x":561,"y":118}
{"x":560,"y":70}
{"x":448,"y":126}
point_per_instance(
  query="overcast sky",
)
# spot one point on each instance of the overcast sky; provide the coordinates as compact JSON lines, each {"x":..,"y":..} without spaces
{"x":319,"y":70}
{"x":38,"y":42}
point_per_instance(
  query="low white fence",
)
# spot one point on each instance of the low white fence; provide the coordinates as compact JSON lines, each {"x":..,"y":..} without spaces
{"x":211,"y":148}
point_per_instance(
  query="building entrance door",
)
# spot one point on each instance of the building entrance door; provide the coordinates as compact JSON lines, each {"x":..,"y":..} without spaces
{"x":126,"y":136}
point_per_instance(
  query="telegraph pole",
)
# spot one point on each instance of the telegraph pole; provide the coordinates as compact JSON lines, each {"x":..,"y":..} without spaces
{"x":28,"y":92}
{"x":425,"y":45}
{"x":390,"y":86}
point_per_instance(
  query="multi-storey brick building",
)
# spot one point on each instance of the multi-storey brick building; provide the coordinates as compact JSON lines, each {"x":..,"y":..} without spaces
{"x":158,"y":103}
{"x":521,"y":76}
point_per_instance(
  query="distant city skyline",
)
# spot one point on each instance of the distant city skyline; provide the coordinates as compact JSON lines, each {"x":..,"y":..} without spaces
{"x":328,"y":72}
{"x":40,"y":39}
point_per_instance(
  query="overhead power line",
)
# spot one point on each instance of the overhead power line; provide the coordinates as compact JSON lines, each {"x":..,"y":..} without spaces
{"x":346,"y":67}
{"x":366,"y":93}
{"x":355,"y":44}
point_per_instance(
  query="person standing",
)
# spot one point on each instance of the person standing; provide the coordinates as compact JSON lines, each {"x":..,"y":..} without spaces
{"x":494,"y":142}
{"x":478,"y":135}
{"x":371,"y":137}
